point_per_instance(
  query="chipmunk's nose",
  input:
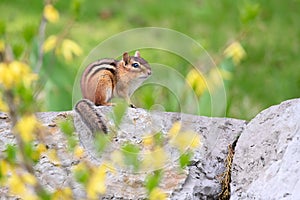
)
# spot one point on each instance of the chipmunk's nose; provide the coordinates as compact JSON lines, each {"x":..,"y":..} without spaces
{"x":149,"y":72}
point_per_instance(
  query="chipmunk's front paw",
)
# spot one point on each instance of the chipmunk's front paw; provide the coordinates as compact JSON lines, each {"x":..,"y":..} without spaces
{"x":132,"y":106}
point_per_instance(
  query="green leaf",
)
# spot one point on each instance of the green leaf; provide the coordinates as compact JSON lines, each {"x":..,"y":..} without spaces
{"x":159,"y":139}
{"x":29,"y":150}
{"x":2,"y":28}
{"x":131,"y":152}
{"x":29,"y":32}
{"x":11,"y":153}
{"x":82,"y":176}
{"x":76,"y":7}
{"x":101,"y":142}
{"x":249,"y":12}
{"x":18,"y":49}
{"x":228,"y":65}
{"x":29,"y":103}
{"x":184,"y":159}
{"x":119,"y":110}
{"x":67,"y":126}
{"x":44,"y":195}
{"x":153,"y":180}
{"x":72,"y":143}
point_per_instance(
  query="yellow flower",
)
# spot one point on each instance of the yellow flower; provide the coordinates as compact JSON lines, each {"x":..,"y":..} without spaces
{"x":148,"y":141}
{"x":185,"y":140}
{"x":236,"y":52}
{"x":196,"y":141}
{"x":22,"y":72}
{"x":63,"y":193}
{"x":50,"y":13}
{"x":78,"y":152}
{"x":52,"y":155}
{"x":157,"y":194}
{"x":6,"y":78}
{"x":29,"y":179}
{"x":16,"y":185}
{"x":40,"y":148}
{"x":2,"y":46}
{"x":175,"y":129}
{"x":155,"y":159}
{"x":196,"y":81}
{"x":26,"y":127}
{"x":14,"y":73}
{"x":68,"y":48}
{"x":96,"y":184}
{"x":81,"y":167}
{"x":4,"y":167}
{"x":50,"y":43}
{"x":3,"y":105}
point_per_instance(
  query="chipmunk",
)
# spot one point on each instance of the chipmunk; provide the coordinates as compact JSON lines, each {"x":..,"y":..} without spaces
{"x":107,"y":78}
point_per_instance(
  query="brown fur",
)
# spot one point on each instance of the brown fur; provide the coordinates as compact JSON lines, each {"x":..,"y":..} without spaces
{"x":108,"y":78}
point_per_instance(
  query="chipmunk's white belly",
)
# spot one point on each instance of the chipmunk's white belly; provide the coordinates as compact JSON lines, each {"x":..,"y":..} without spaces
{"x":135,"y":84}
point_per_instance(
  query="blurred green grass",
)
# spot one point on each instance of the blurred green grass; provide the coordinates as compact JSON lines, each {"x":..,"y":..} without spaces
{"x":269,"y":74}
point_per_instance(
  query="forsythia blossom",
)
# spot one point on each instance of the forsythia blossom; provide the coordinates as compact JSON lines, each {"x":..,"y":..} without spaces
{"x":15,"y":73}
{"x":68,"y":48}
{"x":2,"y":46}
{"x":78,"y":152}
{"x":174,"y":130}
{"x":18,"y":183}
{"x":96,"y":184}
{"x":63,"y":193}
{"x":236,"y":52}
{"x":148,"y":141}
{"x":4,"y":167}
{"x":26,"y":127}
{"x":3,"y":105}
{"x":197,"y":82}
{"x":155,"y":159}
{"x":185,"y":140}
{"x":157,"y":194}
{"x":50,"y":43}
{"x":51,"y":14}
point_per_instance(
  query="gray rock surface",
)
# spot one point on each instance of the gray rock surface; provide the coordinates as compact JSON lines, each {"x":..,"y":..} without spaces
{"x":199,"y":181}
{"x":208,"y":162}
{"x":266,"y":163}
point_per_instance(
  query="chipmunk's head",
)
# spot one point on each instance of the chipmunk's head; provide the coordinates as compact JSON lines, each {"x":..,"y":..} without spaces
{"x":136,"y":65}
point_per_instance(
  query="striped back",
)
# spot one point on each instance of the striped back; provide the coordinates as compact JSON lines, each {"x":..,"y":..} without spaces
{"x":91,"y":71}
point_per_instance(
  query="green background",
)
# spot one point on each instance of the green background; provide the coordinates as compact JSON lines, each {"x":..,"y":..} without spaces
{"x":269,"y":31}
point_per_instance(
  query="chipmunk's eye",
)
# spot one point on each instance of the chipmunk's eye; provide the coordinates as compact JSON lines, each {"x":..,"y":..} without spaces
{"x":135,"y":65}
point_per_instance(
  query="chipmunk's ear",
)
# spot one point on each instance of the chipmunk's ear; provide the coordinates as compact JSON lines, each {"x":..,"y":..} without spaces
{"x":126,"y":58}
{"x":137,"y":54}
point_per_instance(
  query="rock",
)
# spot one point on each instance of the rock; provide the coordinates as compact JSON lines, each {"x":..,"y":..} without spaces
{"x":203,"y":177}
{"x":266,"y":163}
{"x":203,"y":181}
{"x":199,"y":180}
{"x":265,"y":166}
